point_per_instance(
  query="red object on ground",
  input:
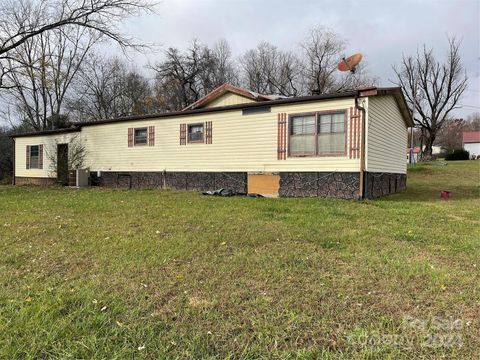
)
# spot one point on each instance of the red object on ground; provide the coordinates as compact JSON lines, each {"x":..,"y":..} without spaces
{"x":445,"y":194}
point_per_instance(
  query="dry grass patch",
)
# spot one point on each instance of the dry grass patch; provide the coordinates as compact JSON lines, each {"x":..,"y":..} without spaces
{"x":102,"y":273}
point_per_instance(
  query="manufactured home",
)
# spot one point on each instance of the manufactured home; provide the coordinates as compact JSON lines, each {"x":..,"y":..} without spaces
{"x":347,"y":145}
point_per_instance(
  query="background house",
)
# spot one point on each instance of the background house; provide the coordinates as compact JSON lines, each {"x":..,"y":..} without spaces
{"x":471,"y":143}
{"x":416,"y":154}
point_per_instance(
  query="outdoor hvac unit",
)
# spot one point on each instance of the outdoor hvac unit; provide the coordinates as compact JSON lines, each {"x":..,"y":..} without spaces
{"x":79,"y":177}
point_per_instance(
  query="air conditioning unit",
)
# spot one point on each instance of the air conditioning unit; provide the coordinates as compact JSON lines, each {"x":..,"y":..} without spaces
{"x":78,"y":177}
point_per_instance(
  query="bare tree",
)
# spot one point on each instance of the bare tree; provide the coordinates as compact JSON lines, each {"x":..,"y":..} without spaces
{"x":51,"y":61}
{"x":322,"y":50}
{"x":312,"y":70}
{"x":225,"y":70}
{"x":268,"y":70}
{"x":473,"y":122}
{"x":450,"y":134}
{"x":183,"y":77}
{"x":177,"y":76}
{"x":23,"y":20}
{"x":107,"y":88}
{"x":434,"y":88}
{"x":6,"y":158}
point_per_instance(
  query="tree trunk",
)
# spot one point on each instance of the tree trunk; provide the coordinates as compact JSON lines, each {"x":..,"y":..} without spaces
{"x":429,"y":139}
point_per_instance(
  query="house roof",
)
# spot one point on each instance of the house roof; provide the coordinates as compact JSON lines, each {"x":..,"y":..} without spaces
{"x":396,"y":92}
{"x":471,"y":137}
{"x":416,"y":150}
{"x":228,"y":88}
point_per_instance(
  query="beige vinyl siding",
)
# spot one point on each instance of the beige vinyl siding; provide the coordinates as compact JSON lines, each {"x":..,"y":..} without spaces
{"x":228,"y":99}
{"x":239,"y":143}
{"x":49,"y":143}
{"x":386,"y":136}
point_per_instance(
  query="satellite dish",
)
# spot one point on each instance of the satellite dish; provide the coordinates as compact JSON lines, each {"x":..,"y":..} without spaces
{"x":350,"y":63}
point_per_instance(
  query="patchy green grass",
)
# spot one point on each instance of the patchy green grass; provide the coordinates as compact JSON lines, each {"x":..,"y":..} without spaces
{"x":104,"y":273}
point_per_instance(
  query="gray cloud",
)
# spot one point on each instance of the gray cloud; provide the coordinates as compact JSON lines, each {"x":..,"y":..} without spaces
{"x":381,"y":30}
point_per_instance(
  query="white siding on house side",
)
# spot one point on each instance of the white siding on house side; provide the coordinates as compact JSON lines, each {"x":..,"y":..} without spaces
{"x":472,"y":148}
{"x":49,"y":143}
{"x":386,"y":136}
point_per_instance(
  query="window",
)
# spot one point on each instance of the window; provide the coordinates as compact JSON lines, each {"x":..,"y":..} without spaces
{"x":195,"y":133}
{"x":302,"y":137}
{"x":331,"y":134}
{"x":256,"y":110}
{"x":34,"y":157}
{"x":140,"y":137}
{"x":317,"y":134}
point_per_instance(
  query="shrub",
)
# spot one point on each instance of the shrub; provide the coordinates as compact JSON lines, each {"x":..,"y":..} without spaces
{"x":7,"y":180}
{"x":458,"y":154}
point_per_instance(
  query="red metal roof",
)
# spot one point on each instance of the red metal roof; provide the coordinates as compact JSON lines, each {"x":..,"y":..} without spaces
{"x":416,"y":150}
{"x":471,"y":137}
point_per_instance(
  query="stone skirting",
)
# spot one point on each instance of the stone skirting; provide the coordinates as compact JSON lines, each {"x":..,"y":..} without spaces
{"x":381,"y":184}
{"x":41,"y":181}
{"x":344,"y":185}
{"x":197,"y":181}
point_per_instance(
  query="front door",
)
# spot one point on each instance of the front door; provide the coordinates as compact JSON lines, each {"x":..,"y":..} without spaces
{"x":62,"y":164}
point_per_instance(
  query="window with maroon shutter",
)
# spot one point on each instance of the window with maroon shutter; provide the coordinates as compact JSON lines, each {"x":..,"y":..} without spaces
{"x":140,"y":136}
{"x":151,"y":135}
{"x":208,"y":132}
{"x":40,"y":156}
{"x":355,"y":129}
{"x":183,"y":134}
{"x":321,"y":133}
{"x":27,"y":160}
{"x":130,"y":137}
{"x":196,"y":133}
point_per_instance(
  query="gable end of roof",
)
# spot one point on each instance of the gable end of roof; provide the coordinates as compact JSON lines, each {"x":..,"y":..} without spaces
{"x":223,"y":89}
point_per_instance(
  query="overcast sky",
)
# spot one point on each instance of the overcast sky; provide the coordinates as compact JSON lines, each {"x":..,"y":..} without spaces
{"x":381,"y":30}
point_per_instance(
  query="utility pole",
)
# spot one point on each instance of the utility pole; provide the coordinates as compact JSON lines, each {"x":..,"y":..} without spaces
{"x":411,"y":159}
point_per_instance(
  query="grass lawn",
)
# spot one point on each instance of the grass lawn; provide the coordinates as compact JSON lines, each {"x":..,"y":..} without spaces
{"x":104,"y":273}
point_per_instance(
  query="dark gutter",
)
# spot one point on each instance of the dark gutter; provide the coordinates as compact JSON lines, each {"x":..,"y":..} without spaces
{"x":223,"y":108}
{"x":363,"y":119}
{"x":13,"y":157}
{"x":76,"y":128}
{"x":299,"y":99}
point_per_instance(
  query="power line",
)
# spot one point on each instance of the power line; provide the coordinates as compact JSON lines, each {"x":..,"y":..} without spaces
{"x":471,"y":106}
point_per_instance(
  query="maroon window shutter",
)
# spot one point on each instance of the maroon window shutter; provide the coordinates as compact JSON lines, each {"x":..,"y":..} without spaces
{"x":285,"y":136}
{"x":183,"y":134}
{"x":40,"y":156}
{"x":355,"y":128}
{"x":130,"y":137}
{"x":208,"y":132}
{"x":282,"y":137}
{"x":27,"y":162}
{"x":151,"y":135}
